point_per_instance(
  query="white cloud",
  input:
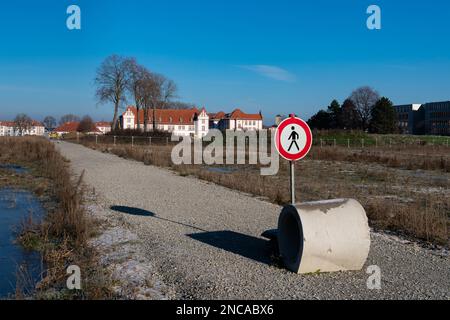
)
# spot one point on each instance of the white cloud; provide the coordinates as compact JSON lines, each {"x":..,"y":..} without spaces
{"x":272,"y":72}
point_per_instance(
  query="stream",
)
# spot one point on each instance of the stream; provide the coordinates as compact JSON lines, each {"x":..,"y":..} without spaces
{"x":19,"y":268}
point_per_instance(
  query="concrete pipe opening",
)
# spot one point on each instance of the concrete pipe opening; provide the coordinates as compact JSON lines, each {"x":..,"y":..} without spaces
{"x":290,"y":237}
{"x":324,"y":236}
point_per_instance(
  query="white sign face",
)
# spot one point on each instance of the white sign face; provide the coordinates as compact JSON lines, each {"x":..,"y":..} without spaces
{"x":293,"y":139}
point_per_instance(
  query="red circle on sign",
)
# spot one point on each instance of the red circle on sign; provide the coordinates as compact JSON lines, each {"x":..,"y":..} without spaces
{"x":293,"y":156}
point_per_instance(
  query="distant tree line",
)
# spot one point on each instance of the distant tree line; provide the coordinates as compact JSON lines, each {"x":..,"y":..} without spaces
{"x":69,"y":118}
{"x":363,"y":110}
{"x":85,"y":124}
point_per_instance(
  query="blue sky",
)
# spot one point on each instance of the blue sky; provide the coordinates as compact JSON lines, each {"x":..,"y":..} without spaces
{"x":275,"y":56}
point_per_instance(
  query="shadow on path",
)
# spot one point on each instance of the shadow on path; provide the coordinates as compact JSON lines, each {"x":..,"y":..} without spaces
{"x":244,"y":245}
{"x":145,"y":213}
{"x":247,"y":246}
{"x":132,"y":211}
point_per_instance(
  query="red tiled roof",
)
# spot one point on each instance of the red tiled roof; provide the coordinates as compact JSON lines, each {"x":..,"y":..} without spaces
{"x":168,"y":116}
{"x":238,"y":114}
{"x":34,"y":123}
{"x":217,"y":116}
{"x":73,"y":127}
{"x":68,"y":127}
{"x":7,"y":123}
{"x":95,"y":130}
{"x":103,"y":124}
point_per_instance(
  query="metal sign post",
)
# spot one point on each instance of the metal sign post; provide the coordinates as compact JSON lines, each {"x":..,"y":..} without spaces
{"x":293,"y":141}
{"x":292,"y":183}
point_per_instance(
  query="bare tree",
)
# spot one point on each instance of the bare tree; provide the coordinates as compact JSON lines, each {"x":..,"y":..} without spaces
{"x":364,"y":99}
{"x":112,"y":82}
{"x":155,"y":92}
{"x":179,"y":105}
{"x":165,"y":90}
{"x":86,"y":125}
{"x":22,"y":123}
{"x":137,"y":76}
{"x":148,"y":90}
{"x":49,"y":122}
{"x":69,"y":118}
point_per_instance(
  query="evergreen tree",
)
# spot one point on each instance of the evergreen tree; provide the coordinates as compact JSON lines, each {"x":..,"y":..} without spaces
{"x":350,"y":118}
{"x":383,"y":117}
{"x":334,"y":109}
{"x":321,"y":120}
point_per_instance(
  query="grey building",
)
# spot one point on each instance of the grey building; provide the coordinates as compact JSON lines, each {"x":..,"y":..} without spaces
{"x":437,"y":118}
{"x":429,"y":118}
{"x":408,"y":118}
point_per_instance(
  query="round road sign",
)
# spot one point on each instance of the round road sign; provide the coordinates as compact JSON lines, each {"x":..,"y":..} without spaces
{"x":293,"y":139}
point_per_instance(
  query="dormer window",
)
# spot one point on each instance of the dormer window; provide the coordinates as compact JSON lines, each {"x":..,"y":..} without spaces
{"x":181,"y":119}
{"x":170,"y":119}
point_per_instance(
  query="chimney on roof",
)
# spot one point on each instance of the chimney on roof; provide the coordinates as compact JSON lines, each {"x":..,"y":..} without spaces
{"x":278,"y":119}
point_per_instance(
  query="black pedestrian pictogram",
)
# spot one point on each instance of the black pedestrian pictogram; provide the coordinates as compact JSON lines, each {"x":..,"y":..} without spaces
{"x":294,"y":137}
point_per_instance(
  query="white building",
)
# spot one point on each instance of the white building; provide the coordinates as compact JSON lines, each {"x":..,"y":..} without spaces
{"x":8,"y":128}
{"x":65,"y":128}
{"x":237,"y":120}
{"x":103,"y":126}
{"x":37,"y":129}
{"x":183,"y":122}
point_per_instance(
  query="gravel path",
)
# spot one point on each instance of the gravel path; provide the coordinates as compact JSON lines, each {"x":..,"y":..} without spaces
{"x":204,"y":240}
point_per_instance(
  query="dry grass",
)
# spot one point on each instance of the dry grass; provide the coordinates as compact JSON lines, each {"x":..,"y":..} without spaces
{"x":425,"y":219}
{"x":393,"y":196}
{"x":69,"y":220}
{"x":411,"y":158}
{"x":62,"y":236}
